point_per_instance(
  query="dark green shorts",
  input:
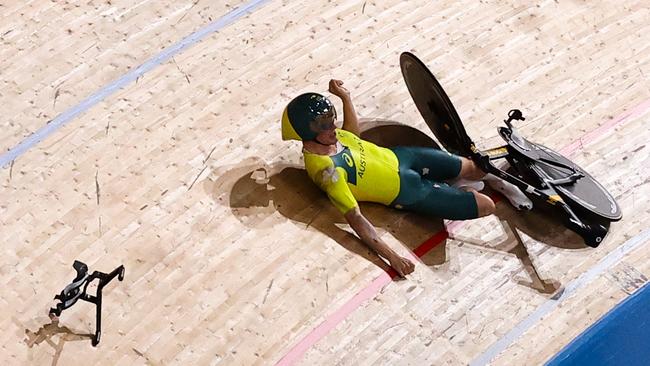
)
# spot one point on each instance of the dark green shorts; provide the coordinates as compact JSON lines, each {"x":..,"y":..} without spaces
{"x":422,"y":173}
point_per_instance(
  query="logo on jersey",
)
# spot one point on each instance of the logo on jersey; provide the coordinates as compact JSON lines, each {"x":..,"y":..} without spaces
{"x":344,"y":160}
{"x":348,"y":160}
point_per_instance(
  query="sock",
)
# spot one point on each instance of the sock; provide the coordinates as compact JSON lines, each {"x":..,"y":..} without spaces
{"x":516,"y":197}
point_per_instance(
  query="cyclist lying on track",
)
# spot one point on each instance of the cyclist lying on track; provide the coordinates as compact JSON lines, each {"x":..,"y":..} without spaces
{"x":348,"y":169}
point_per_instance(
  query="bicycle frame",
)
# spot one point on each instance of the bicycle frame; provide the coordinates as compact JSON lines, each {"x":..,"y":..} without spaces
{"x":524,"y":156}
{"x":592,"y":234}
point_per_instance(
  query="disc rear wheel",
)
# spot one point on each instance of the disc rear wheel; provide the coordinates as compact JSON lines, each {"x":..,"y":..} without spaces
{"x":586,"y":196}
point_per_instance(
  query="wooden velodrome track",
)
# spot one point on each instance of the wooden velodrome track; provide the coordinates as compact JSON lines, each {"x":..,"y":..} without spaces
{"x":231,"y":255}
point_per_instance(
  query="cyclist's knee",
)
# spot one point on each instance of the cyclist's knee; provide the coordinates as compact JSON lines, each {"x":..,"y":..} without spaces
{"x":469,"y":170}
{"x":484,"y":204}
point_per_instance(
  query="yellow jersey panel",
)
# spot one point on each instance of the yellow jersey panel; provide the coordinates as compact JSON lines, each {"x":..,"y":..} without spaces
{"x":362,"y":171}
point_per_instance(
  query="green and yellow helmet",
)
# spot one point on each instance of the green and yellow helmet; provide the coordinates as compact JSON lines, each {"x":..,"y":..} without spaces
{"x":301,"y":112}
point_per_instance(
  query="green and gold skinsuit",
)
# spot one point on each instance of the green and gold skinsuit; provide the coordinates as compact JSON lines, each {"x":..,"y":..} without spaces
{"x":409,"y":178}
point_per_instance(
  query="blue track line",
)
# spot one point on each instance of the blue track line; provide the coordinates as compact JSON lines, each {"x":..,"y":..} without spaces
{"x":571,"y":289}
{"x":169,"y":52}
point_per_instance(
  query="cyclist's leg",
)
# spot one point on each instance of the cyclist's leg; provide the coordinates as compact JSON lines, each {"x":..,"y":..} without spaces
{"x":431,"y":163}
{"x":439,"y":199}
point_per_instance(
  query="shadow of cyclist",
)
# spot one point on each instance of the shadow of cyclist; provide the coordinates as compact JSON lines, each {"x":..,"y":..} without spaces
{"x":255,"y":190}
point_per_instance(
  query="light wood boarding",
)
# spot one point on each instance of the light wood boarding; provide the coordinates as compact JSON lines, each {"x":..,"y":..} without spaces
{"x":231,"y":255}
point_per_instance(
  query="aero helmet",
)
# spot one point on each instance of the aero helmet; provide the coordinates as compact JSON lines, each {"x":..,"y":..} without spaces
{"x":299,"y":114}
